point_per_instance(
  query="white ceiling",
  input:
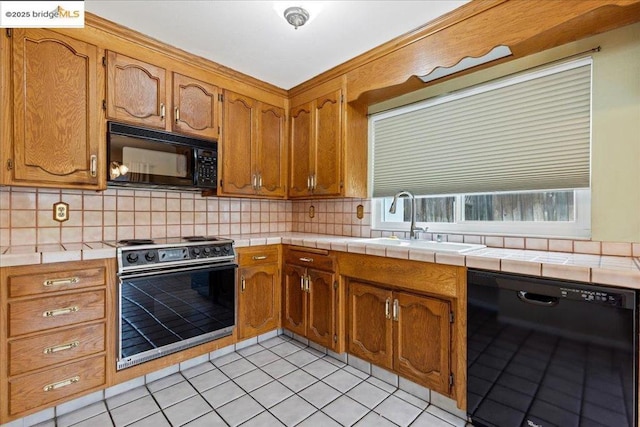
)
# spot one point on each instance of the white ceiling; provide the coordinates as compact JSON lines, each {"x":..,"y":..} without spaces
{"x":254,"y":38}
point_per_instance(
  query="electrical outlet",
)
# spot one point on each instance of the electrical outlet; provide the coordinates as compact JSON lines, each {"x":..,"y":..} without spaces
{"x":359,"y":211}
{"x":61,"y":211}
{"x":312,"y":211}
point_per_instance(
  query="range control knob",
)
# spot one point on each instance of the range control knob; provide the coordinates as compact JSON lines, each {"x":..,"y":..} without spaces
{"x":132,"y":257}
{"x":195,"y":251}
{"x":150,"y":256}
{"x":226,"y":250}
{"x":207,"y":251}
{"x":217,"y":250}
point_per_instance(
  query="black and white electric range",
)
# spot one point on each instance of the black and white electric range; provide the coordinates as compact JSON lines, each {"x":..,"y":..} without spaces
{"x":173,"y":294}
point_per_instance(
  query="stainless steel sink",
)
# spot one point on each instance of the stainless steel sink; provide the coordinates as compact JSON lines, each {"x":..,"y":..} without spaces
{"x":425,"y":244}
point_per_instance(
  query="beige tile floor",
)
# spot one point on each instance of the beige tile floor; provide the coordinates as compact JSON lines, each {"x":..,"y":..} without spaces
{"x":274,"y":383}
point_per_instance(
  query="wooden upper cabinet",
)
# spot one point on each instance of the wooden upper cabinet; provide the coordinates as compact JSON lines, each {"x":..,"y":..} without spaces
{"x":253,"y":148}
{"x":136,"y":91}
{"x":57,"y":136}
{"x":316,"y":147}
{"x":195,"y":107}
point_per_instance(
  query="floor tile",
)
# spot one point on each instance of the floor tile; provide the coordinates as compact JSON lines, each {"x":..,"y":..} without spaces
{"x":223,"y":394}
{"x":81,"y":414}
{"x":248,"y":351}
{"x":301,"y":358}
{"x":134,"y":411}
{"x":298,"y":380}
{"x":292,"y":410}
{"x":208,"y":380}
{"x":319,"y":419}
{"x":320,"y":368}
{"x":102,"y":420}
{"x":165,"y":382}
{"x":428,"y":420}
{"x":273,"y":342}
{"x":240,"y":410}
{"x":319,"y":394}
{"x":446,"y":416}
{"x":263,"y":357}
{"x":237,"y":368}
{"x":226,"y":359}
{"x":271,"y":394}
{"x":253,"y":380}
{"x":279,"y":368}
{"x":367,"y":394}
{"x":156,"y":420}
{"x":381,"y":384}
{"x":342,"y":380}
{"x":126,"y":397}
{"x":212,"y":419}
{"x":375,"y":420}
{"x":409,"y":398}
{"x":345,"y":410}
{"x":334,"y":361}
{"x":357,"y":372}
{"x":174,"y":394}
{"x":265,"y":419}
{"x":397,"y":411}
{"x":198,"y":370}
{"x":285,"y":349}
{"x":187,"y":410}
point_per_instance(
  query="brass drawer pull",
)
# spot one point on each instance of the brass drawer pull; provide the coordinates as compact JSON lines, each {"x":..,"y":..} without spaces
{"x":306,"y":259}
{"x":259,"y":257}
{"x":61,"y":282}
{"x":60,"y":384}
{"x":243,"y":282}
{"x":62,"y":347}
{"x":60,"y":311}
{"x":387,"y":312}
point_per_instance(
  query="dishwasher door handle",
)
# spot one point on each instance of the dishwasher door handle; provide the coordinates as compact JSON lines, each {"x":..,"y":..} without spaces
{"x":537,"y":299}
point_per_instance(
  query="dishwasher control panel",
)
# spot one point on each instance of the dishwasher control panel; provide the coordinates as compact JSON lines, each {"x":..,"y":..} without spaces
{"x":599,"y":296}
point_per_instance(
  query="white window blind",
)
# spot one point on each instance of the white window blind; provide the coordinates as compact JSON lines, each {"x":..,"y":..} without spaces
{"x":527,"y":132}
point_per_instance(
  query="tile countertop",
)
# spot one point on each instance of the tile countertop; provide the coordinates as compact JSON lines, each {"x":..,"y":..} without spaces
{"x":608,"y":270}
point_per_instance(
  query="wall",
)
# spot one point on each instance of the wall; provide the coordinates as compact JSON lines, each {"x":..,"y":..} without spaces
{"x":616,"y":124}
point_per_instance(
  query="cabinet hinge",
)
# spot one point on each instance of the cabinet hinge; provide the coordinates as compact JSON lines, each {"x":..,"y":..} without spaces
{"x":104,"y":61}
{"x":221,"y":186}
{"x":450,"y":380}
{"x":220,"y":97}
{"x":9,"y":32}
{"x":341,"y":98}
{"x":451,"y":317}
{"x":335,"y":284}
{"x":341,"y":184}
{"x":104,"y":104}
{"x":9,"y":164}
{"x":335,"y":338}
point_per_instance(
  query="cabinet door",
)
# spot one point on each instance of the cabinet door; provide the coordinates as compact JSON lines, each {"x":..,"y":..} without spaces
{"x":294,"y":300}
{"x":258,"y":303}
{"x":422,"y":340}
{"x":322,"y":308}
{"x":57,"y":138}
{"x":136,"y":91}
{"x":301,"y":151}
{"x":195,"y":107}
{"x":237,"y":149}
{"x":328,"y":145}
{"x":271,"y":147}
{"x":369,"y":324}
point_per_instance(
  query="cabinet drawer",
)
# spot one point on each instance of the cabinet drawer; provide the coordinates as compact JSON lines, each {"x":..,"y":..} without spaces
{"x":257,"y":256}
{"x":37,"y":390}
{"x":52,"y":312}
{"x":310,"y":259}
{"x":28,"y":354}
{"x":36,"y":283}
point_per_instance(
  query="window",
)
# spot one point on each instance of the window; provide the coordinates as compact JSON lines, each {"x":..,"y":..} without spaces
{"x":510,"y":156}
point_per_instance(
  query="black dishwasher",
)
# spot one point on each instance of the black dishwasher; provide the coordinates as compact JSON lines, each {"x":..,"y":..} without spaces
{"x":544,"y":352}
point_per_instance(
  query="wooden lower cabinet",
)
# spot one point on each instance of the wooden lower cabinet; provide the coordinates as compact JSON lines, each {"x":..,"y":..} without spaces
{"x":407,"y":333}
{"x":56,"y":321}
{"x":258,"y":291}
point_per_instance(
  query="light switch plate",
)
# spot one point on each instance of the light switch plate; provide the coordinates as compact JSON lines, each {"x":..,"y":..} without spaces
{"x":61,"y":211}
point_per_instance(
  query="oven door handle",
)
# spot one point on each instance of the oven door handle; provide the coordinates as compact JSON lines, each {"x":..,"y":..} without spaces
{"x":177,"y":270}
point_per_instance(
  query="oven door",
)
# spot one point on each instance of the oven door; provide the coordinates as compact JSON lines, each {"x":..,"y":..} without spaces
{"x":164,"y":312}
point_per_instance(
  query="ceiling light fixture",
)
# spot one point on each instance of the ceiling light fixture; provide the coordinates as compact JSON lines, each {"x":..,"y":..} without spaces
{"x":296,"y":16}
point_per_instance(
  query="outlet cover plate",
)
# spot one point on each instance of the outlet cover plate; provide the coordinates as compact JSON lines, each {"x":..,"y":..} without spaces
{"x":61,"y":211}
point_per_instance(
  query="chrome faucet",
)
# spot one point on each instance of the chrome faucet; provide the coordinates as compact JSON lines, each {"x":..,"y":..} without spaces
{"x":413,"y":230}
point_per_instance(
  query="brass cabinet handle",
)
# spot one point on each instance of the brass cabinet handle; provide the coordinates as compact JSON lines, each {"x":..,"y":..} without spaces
{"x":162,"y":111}
{"x":387,"y":311}
{"x":61,"y":282}
{"x":242,"y":281}
{"x":93,"y":160}
{"x":396,"y":310}
{"x":258,"y":257}
{"x":306,"y":259}
{"x":60,"y":311}
{"x":255,"y":182}
{"x":302,"y":283}
{"x":313,"y":182}
{"x":309,"y":182}
{"x":177,"y":115}
{"x":60,"y":384}
{"x":259,"y":181}
{"x":307,"y":283}
{"x":62,"y":347}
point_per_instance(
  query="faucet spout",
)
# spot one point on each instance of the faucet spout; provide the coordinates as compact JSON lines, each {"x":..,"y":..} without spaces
{"x":413,"y":230}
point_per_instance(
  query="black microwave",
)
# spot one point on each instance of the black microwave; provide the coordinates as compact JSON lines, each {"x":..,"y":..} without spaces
{"x":140,"y":157}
